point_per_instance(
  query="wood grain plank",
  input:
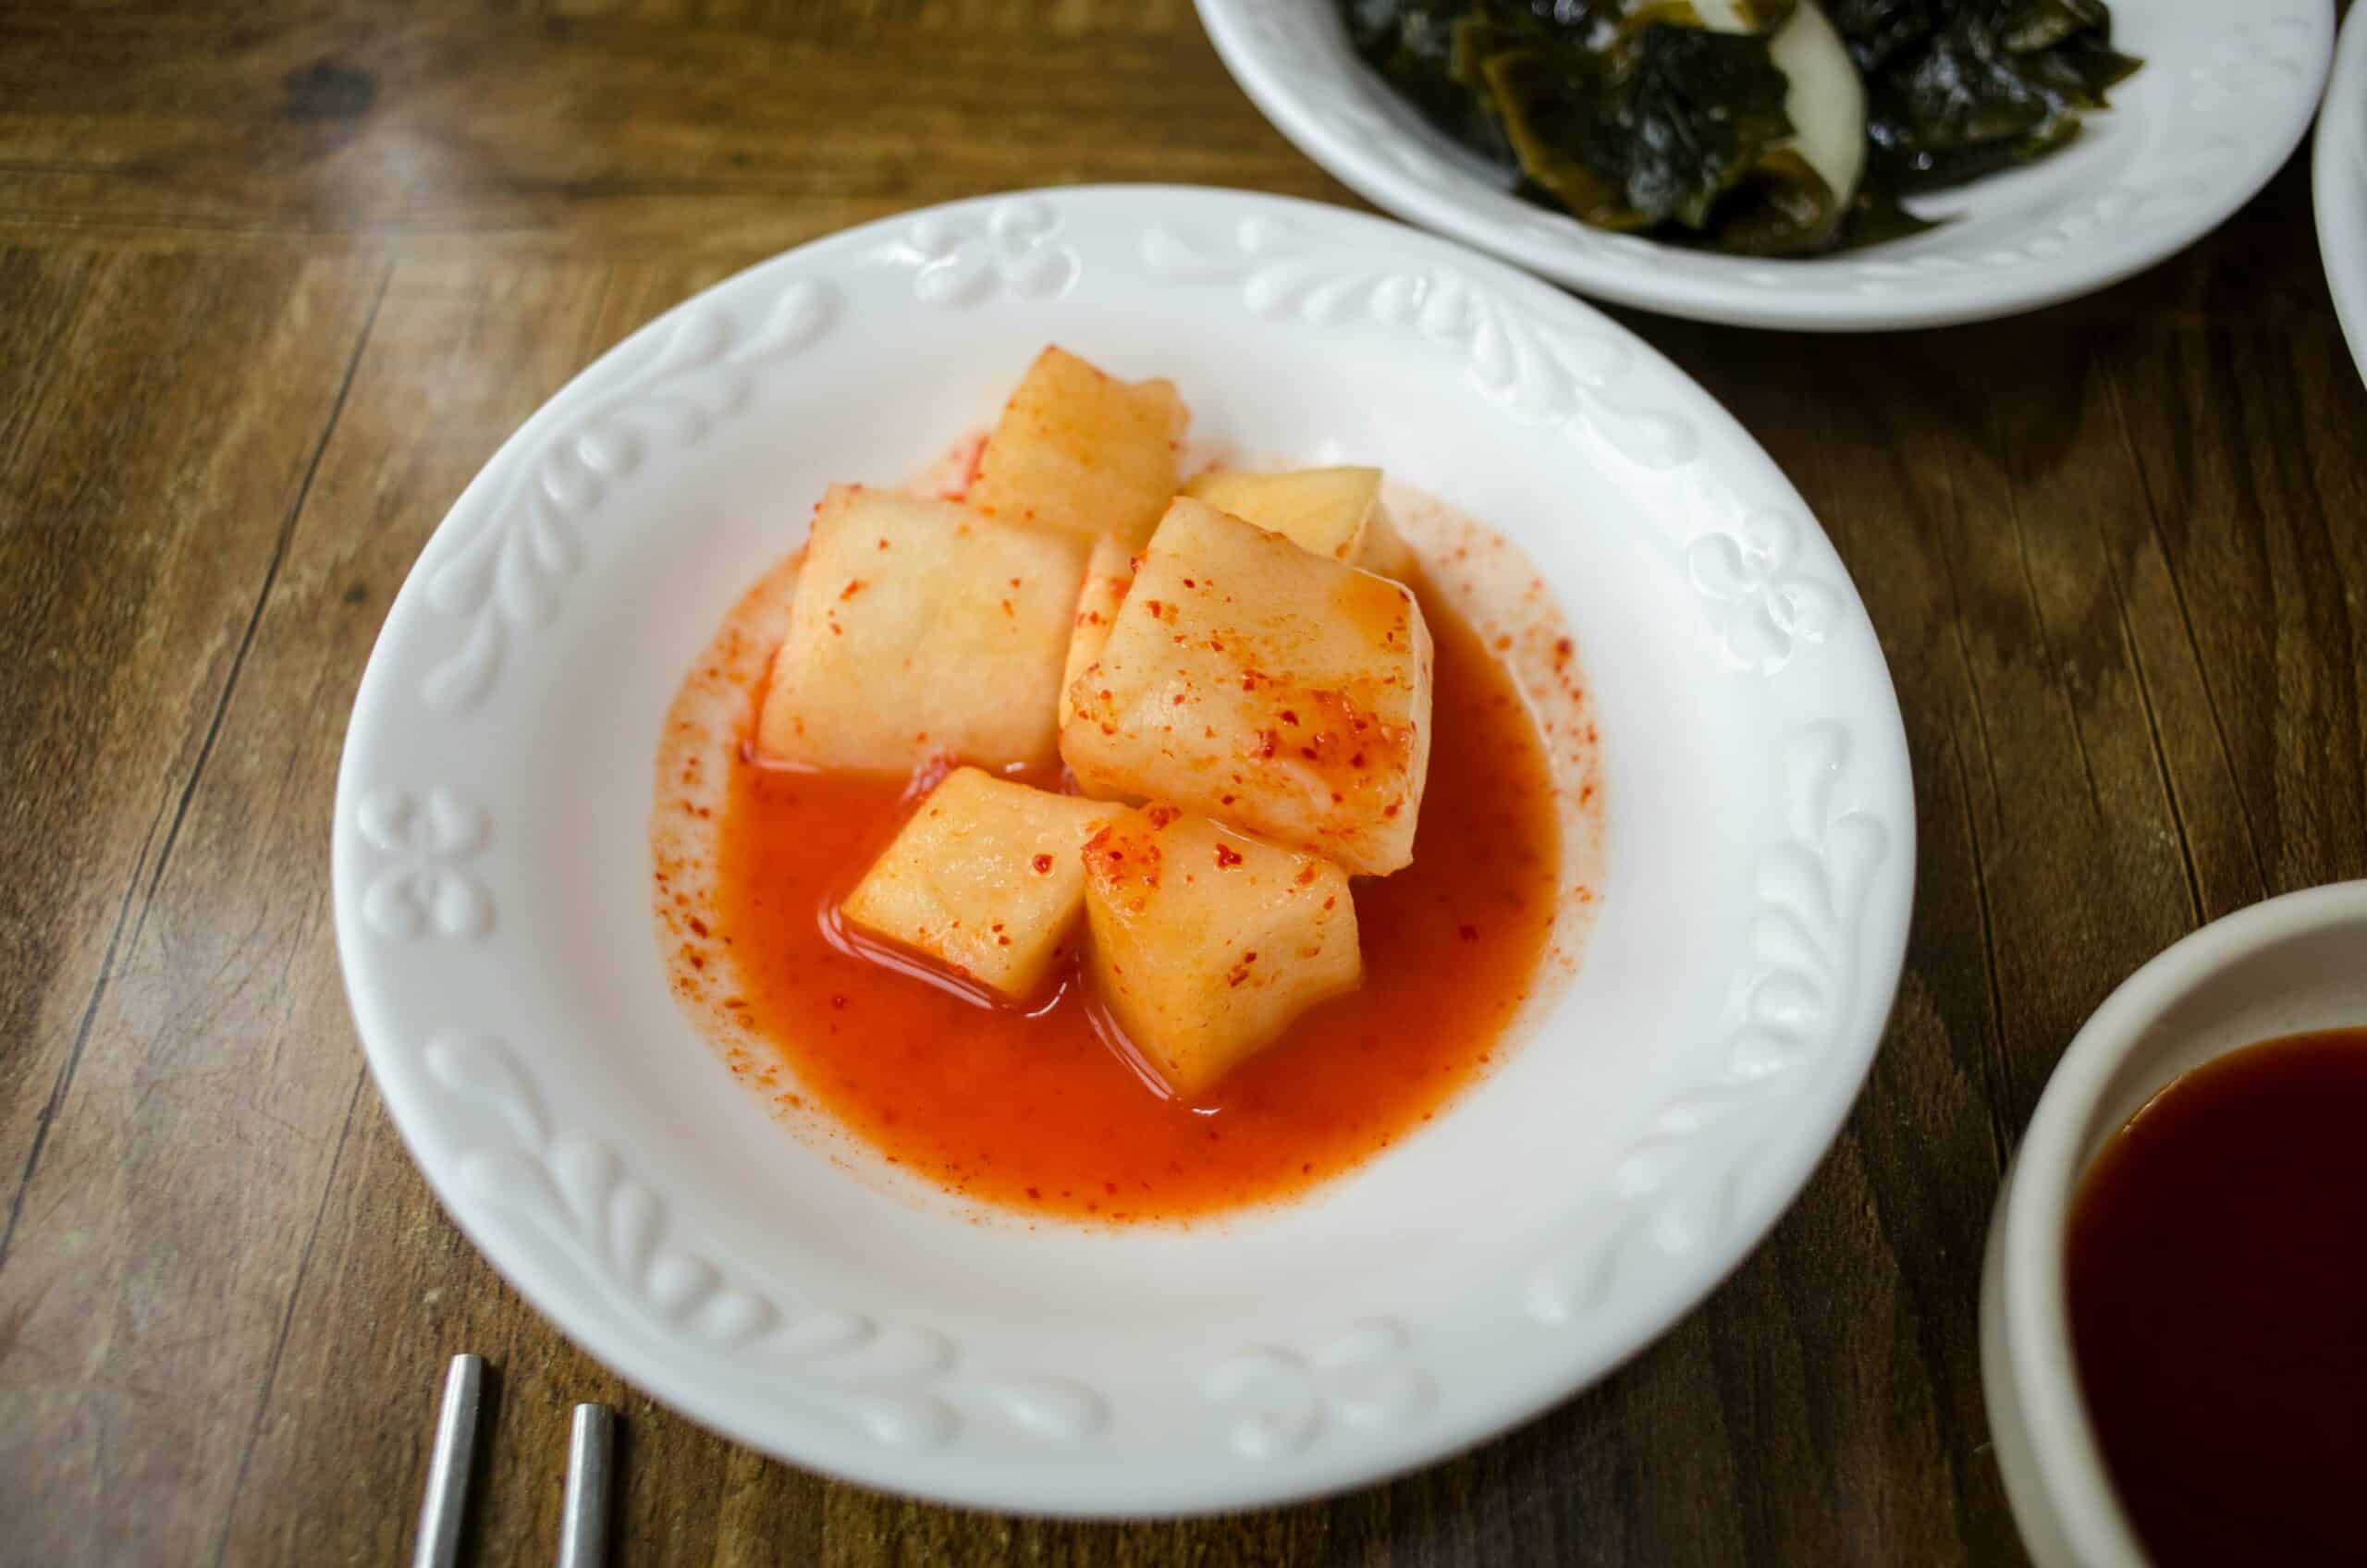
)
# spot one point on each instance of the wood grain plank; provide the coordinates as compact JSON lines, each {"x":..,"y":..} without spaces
{"x":1877,"y":1275}
{"x":150,"y":473}
{"x":747,"y":135}
{"x":458,"y":356}
{"x":2081,"y":857}
{"x":2265,"y":573}
{"x":184,"y":1185}
{"x":42,"y":292}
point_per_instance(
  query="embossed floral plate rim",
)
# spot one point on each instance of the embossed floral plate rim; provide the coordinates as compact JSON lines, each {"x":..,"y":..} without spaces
{"x":514,"y":1014}
{"x":2223,"y":100}
{"x":2338,"y":185}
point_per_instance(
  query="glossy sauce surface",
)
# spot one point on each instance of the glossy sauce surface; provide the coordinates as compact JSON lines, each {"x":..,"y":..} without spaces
{"x":2216,"y":1271}
{"x":1030,"y":1108}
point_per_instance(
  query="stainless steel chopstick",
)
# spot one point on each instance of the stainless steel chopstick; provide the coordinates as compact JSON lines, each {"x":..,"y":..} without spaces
{"x":437,"y":1544}
{"x":584,"y":1517}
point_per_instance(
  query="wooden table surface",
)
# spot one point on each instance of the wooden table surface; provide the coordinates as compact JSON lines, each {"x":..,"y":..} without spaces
{"x":274,"y":282}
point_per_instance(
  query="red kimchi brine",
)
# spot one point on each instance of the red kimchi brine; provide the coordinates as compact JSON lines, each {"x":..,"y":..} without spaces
{"x":1029,"y":1107}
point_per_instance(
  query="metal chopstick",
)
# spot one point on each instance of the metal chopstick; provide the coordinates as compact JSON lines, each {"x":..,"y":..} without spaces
{"x":437,"y":1544}
{"x":583,"y":1517}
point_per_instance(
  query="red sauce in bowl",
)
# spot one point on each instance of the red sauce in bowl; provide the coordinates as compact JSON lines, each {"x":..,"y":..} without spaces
{"x":1027,"y":1108}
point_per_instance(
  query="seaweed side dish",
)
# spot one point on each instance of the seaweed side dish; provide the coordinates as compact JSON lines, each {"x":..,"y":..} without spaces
{"x":1767,"y":127}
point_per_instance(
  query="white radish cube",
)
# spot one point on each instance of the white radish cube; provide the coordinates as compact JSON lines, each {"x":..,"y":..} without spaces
{"x":1078,"y":450}
{"x":920,"y":628}
{"x":1255,"y":683}
{"x":1208,"y":943}
{"x":987,"y":879}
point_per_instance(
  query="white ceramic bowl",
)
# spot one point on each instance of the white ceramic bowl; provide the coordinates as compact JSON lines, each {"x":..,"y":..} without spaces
{"x":2288,"y":966}
{"x":492,"y":874}
{"x":2226,"y":95}
{"x":2338,"y":184}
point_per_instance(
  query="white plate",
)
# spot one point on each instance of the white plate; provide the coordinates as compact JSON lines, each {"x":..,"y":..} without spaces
{"x":2338,"y":181}
{"x":2226,"y":94}
{"x":490,"y":873}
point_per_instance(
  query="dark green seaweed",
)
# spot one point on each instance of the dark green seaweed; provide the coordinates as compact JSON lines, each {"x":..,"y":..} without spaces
{"x":1960,"y":89}
{"x":1651,"y":134}
{"x":1633,"y":116}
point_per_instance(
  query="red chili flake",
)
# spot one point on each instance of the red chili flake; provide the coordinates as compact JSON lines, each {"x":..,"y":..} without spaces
{"x":1468,"y":933}
{"x":855,"y":586}
{"x":1289,"y":716}
{"x":698,"y":925}
{"x":1226,"y":855}
{"x":1189,"y":584}
{"x":1043,"y":864}
{"x":883,"y":543}
{"x":837,"y":1002}
{"x":1390,"y":810}
{"x":1014,"y":583}
{"x":1358,"y":760}
{"x":1224,"y":800}
{"x":1007,"y":609}
{"x":1268,"y":743}
{"x":1329,"y":901}
{"x":1306,"y":875}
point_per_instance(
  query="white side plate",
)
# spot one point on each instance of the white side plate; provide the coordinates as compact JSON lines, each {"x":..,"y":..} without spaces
{"x":492,"y":897}
{"x":2338,"y":185}
{"x":2226,"y":95}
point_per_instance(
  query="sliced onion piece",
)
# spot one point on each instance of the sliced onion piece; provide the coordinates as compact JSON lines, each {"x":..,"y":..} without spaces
{"x":1824,"y":97}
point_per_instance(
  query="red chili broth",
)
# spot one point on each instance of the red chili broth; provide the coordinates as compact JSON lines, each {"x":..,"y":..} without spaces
{"x":1028,"y":1107}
